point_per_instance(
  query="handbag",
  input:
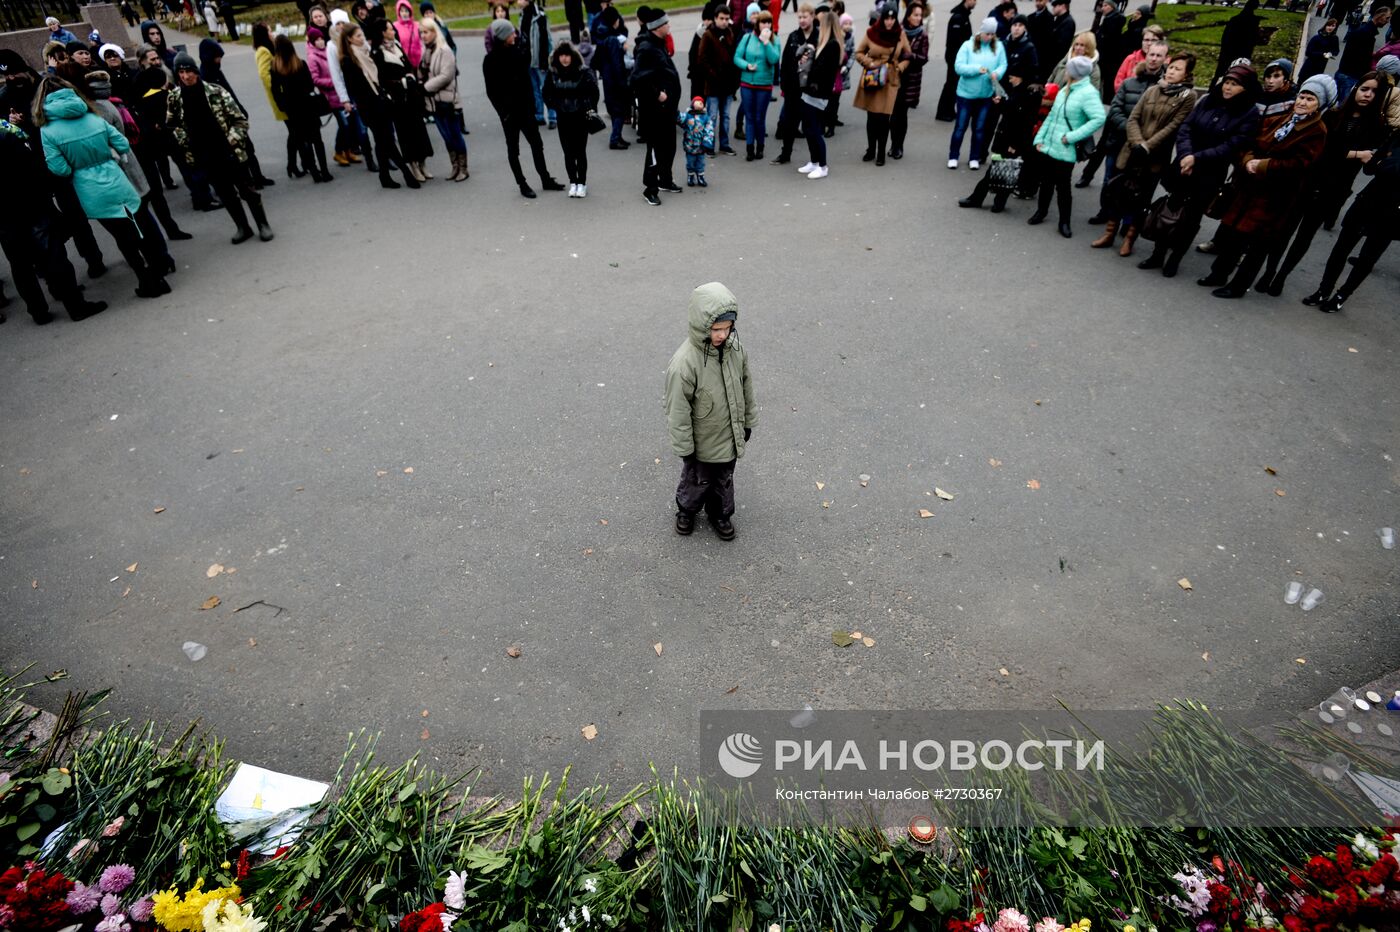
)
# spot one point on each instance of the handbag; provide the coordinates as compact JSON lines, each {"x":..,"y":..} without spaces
{"x":593,"y":123}
{"x":872,"y":79}
{"x":1003,"y":174}
{"x":320,"y":106}
{"x":1128,"y":191}
{"x":1083,"y":149}
{"x":1222,"y":200}
{"x":1163,"y":219}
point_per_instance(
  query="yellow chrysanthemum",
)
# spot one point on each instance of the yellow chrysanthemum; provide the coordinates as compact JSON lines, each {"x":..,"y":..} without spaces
{"x":176,"y":913}
{"x":228,"y":916}
{"x":1129,"y":929}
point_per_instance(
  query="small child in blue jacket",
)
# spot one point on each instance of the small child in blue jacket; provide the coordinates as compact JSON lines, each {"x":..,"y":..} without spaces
{"x":699,"y":135}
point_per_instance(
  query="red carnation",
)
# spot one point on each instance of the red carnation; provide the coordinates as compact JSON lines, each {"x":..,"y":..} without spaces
{"x":427,"y":919}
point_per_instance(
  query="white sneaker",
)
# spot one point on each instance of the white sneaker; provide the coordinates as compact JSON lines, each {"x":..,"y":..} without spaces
{"x":573,"y":190}
{"x":819,"y":172}
{"x":953,"y":163}
{"x":583,"y":190}
{"x":974,"y":164}
{"x":808,"y":167}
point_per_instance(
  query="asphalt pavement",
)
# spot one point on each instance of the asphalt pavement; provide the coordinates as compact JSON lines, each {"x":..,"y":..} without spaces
{"x":422,"y":427}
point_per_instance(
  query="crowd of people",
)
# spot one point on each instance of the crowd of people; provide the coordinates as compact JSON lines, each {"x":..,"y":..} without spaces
{"x":1030,"y":96}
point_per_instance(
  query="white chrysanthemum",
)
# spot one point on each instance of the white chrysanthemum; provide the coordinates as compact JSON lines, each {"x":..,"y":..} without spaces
{"x":1364,"y":846}
{"x":228,"y":916}
{"x":590,"y":884}
{"x":454,"y":896}
{"x":586,"y":916}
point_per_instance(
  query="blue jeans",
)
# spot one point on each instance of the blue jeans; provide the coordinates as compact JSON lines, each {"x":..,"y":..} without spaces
{"x":755,"y":101}
{"x":537,"y":85}
{"x":974,"y":111}
{"x":448,"y":127}
{"x":718,"y":109}
{"x":695,"y":163}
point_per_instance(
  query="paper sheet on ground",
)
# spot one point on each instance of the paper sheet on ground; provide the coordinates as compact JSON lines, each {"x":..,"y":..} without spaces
{"x":276,"y":804}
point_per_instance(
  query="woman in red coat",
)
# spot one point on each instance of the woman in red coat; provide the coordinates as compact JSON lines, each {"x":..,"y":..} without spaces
{"x":1270,"y":176}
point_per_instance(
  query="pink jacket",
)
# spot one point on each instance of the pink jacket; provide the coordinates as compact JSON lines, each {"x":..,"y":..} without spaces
{"x":410,"y":39}
{"x":321,"y":74}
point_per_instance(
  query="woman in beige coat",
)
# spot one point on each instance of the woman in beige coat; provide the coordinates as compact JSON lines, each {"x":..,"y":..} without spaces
{"x":883,"y":54}
{"x":439,"y":72}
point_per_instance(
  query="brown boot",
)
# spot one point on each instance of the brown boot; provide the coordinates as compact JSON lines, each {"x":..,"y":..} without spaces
{"x":459,"y":166}
{"x":1110,"y":232}
{"x":423,"y":170}
{"x":1129,"y":237}
{"x":464,"y":174}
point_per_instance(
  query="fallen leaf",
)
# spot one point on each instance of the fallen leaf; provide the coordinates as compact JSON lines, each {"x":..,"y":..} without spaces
{"x":1184,"y":583}
{"x":1352,"y":349}
{"x":1299,"y":660}
{"x":214,"y":570}
{"x":34,"y":584}
{"x":237,"y":451}
{"x":1280,"y":493}
{"x":1205,"y":656}
{"x":1032,"y":483}
{"x":864,"y":484}
{"x":856,"y":635}
{"x":512,"y":651}
{"x":820,"y":486}
{"x":231,"y":570}
{"x":252,"y":642}
{"x":946,"y":496}
{"x":425,"y":735}
{"x":588,"y":551}
{"x":657,"y":647}
{"x":380,"y":473}
{"x":408,"y":470}
{"x":1037,"y":401}
{"x":300,"y":488}
{"x":211,"y":602}
{"x":657,"y":461}
{"x":841,"y":639}
{"x":24,"y":471}
{"x":993,"y":462}
{"x":603,"y":521}
{"x":1271,"y":470}
{"x":589,"y":731}
{"x":826,"y":504}
{"x":868,"y":642}
{"x":732,"y":690}
{"x":127,"y":592}
{"x":132,"y":568}
{"x":424,"y":713}
{"x":925,"y":513}
{"x":1003,"y":671}
{"x":159,"y":509}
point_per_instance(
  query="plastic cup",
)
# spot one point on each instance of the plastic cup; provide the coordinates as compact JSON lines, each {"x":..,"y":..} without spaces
{"x":1292,"y":592}
{"x":1332,"y":768}
{"x":1312,"y":600}
{"x":1387,"y":537}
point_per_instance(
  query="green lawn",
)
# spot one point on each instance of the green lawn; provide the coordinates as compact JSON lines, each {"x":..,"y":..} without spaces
{"x":1197,"y":29}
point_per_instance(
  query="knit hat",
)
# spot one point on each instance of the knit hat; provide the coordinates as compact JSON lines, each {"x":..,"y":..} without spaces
{"x":1322,"y":87}
{"x":184,"y":61}
{"x":1281,"y":64}
{"x":99,"y":84}
{"x":51,"y":21}
{"x":339,"y":17}
{"x":652,"y":19}
{"x":1242,"y":74}
{"x":1389,"y":64}
{"x":751,"y":12}
{"x":425,"y":6}
{"x":1080,"y":66}
{"x":94,"y":38}
{"x":697,"y":100}
{"x":1020,"y":18}
{"x":727,"y":315}
{"x":1145,"y":9}
{"x":1063,"y":3}
{"x":847,"y":21}
{"x":500,"y":30}
{"x":11,"y":62}
{"x":76,"y":46}
{"x":111,"y":47}
{"x":989,"y":26}
{"x":313,"y":33}
{"x":889,"y":9}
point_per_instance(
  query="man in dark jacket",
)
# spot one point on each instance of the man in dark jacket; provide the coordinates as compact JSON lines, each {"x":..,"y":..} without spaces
{"x":1062,"y":32}
{"x":538,"y":44}
{"x":506,"y":75}
{"x":1356,"y":53}
{"x":1019,"y":48}
{"x":1108,"y":33}
{"x":790,"y":82}
{"x":1040,"y":25}
{"x":718,"y":75}
{"x":656,"y":85}
{"x":1240,"y":36}
{"x":959,"y":31}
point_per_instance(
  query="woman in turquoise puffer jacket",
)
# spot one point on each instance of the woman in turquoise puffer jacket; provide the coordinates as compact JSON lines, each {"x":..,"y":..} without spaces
{"x":1076,"y":114}
{"x":80,"y":144}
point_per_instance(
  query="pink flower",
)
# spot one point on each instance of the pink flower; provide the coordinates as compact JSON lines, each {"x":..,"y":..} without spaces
{"x":82,"y":898}
{"x":7,"y":916}
{"x":142,"y":910}
{"x":111,"y":829}
{"x":1009,"y":920}
{"x":111,"y":906}
{"x":84,"y":846}
{"x":116,"y":878}
{"x":1048,"y":924}
{"x":114,"y":923}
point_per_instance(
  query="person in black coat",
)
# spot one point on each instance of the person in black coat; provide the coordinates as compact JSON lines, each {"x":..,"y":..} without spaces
{"x":610,"y":61}
{"x":1240,"y":37}
{"x":1374,"y":216}
{"x":1321,"y":48}
{"x":1062,"y":33}
{"x":959,"y":31}
{"x":1019,"y":112}
{"x":1019,"y":48}
{"x":1040,"y":25}
{"x":571,"y":89}
{"x":1356,"y":54}
{"x":31,"y":230}
{"x":656,"y":86}
{"x":506,"y":75}
{"x":790,"y":116}
{"x":365,"y":86}
{"x":1108,"y":33}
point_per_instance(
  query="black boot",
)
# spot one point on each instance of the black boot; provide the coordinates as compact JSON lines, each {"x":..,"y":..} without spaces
{"x":1154,"y":261}
{"x":80,"y":309}
{"x":260,"y":218}
{"x":386,"y":180}
{"x":685,"y":523}
{"x":240,"y":220}
{"x":1173,"y":263}
{"x":749,"y":152}
{"x":880,"y":151}
{"x":370,"y":163}
{"x":970,"y":201}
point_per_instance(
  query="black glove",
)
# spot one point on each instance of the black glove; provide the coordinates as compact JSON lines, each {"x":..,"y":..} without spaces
{"x":689,"y":457}
{"x":748,"y":432}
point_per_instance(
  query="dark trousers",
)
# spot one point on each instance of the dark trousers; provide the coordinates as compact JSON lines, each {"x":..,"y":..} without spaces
{"x":660,"y":135}
{"x":573,"y":139}
{"x":1091,"y":166}
{"x":75,"y":224}
{"x":899,"y":122}
{"x":1055,"y":178}
{"x":153,"y":246}
{"x":706,"y":485}
{"x":984,"y":187}
{"x":385,"y":148}
{"x":789,"y":123}
{"x":515,"y":127}
{"x":304,"y":134}
{"x":1371,"y":251}
{"x":128,"y":236}
{"x":573,"y":12}
{"x":877,"y":130}
{"x":1301,"y":232}
{"x":948,"y":100}
{"x":1240,"y":253}
{"x":814,"y":125}
{"x":39,"y":252}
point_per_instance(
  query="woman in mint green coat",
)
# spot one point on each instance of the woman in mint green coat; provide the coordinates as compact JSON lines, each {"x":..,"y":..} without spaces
{"x":1076,"y":114}
{"x":80,"y":144}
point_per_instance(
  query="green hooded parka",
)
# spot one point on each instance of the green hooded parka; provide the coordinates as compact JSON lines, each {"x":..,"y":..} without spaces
{"x":709,"y":395}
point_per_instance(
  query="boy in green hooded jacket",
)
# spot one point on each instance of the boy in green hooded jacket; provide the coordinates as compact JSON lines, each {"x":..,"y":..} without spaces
{"x":710,"y":410}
